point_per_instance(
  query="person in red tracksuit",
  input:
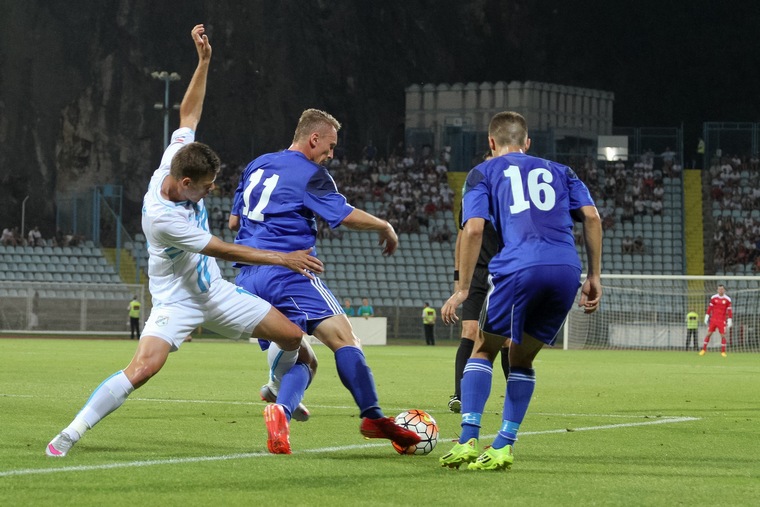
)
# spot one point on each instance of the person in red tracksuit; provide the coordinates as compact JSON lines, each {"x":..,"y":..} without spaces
{"x":718,"y":316}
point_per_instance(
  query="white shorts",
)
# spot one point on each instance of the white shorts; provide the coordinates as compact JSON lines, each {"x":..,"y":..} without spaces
{"x":225,"y":309}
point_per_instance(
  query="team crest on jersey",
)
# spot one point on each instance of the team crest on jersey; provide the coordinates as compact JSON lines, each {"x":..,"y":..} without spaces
{"x":162,"y":320}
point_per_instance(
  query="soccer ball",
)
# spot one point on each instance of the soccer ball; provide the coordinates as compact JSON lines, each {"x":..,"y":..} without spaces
{"x":425,"y":426}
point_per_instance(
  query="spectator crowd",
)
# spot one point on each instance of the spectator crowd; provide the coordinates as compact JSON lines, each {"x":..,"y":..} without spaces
{"x":735,"y":190}
{"x":625,"y":191}
{"x":12,"y":237}
{"x":408,"y":190}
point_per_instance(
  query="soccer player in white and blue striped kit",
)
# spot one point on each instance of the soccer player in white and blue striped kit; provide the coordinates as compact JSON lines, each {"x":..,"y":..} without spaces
{"x":185,"y":283}
{"x":275,"y":207}
{"x":533,"y":278}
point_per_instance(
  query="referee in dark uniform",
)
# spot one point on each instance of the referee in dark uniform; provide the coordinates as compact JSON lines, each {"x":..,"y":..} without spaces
{"x":472,"y":306}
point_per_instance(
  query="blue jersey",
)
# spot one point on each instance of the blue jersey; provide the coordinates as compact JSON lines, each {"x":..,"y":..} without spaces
{"x":278,"y":197}
{"x":528,"y":200}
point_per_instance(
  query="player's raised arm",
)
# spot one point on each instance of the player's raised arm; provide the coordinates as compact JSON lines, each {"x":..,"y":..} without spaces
{"x":192,"y":103}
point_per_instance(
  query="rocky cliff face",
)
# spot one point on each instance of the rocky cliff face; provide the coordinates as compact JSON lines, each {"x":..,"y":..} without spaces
{"x":77,"y":97}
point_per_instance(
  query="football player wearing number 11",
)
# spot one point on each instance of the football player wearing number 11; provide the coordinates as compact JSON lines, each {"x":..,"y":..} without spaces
{"x":533,"y":278}
{"x":275,"y":205}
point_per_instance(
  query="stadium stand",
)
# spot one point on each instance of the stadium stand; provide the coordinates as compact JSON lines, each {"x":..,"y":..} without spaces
{"x":47,"y":264}
{"x":640,"y":201}
{"x":734,"y":221}
{"x":61,"y":289}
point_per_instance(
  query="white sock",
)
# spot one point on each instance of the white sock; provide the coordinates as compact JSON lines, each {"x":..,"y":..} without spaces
{"x":106,"y":398}
{"x":280,"y":361}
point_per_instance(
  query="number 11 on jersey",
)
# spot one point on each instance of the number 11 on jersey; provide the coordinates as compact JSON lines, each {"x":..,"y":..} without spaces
{"x":256,"y":214}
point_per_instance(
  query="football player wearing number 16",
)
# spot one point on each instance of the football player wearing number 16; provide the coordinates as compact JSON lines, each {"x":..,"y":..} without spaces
{"x":275,"y":205}
{"x":534,"y":277}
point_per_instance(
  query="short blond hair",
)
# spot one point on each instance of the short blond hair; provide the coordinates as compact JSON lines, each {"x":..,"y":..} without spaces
{"x":314,"y":120}
{"x":508,"y":128}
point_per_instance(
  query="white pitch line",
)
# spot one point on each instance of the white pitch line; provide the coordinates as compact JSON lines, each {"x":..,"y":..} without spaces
{"x":661,"y":420}
{"x":228,"y":457}
{"x":621,"y":416}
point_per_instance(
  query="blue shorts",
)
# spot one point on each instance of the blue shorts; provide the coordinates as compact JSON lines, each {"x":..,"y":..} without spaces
{"x":304,"y":302}
{"x":534,"y":300}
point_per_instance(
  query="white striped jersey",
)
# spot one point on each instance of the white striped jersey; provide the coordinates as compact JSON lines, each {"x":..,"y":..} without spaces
{"x":175,"y":232}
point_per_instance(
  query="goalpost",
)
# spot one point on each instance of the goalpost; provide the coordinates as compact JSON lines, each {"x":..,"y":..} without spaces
{"x":648,"y":312}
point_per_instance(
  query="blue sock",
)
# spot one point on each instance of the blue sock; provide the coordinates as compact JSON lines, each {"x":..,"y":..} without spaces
{"x":520,"y":387}
{"x":292,"y":387}
{"x":476,"y":387}
{"x":357,"y":377}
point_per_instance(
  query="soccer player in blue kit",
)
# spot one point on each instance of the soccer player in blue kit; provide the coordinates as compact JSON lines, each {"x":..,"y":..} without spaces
{"x":275,"y":205}
{"x":534,"y":277}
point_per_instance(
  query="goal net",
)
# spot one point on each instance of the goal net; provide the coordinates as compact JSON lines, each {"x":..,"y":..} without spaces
{"x":648,"y":312}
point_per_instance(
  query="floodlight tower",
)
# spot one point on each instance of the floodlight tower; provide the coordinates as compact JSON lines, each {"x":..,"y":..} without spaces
{"x":166,"y":77}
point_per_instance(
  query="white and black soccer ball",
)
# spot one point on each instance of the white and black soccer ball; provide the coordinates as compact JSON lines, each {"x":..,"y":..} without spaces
{"x":421,"y":423}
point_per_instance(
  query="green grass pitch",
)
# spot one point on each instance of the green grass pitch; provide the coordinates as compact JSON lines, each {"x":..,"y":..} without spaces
{"x":604,"y":428}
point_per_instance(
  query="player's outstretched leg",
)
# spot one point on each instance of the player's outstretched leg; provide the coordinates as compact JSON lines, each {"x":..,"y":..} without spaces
{"x":278,"y":429}
{"x":106,"y":398}
{"x":356,"y":376}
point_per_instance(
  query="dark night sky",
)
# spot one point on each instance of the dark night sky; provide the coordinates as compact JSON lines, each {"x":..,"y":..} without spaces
{"x":670,"y":62}
{"x":667,"y":62}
